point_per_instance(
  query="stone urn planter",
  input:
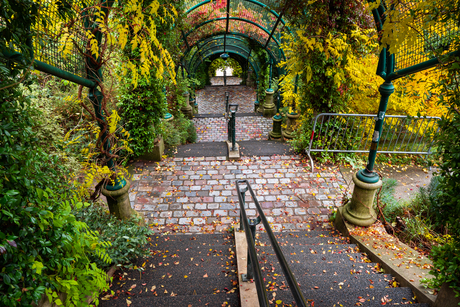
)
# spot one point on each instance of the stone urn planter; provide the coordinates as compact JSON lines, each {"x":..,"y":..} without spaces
{"x":290,"y":124}
{"x":156,"y":153}
{"x":187,"y":109}
{"x":269,"y":108}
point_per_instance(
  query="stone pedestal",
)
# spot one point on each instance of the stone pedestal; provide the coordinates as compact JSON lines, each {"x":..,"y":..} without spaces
{"x":118,"y":202}
{"x":290,"y":124}
{"x":360,"y":210}
{"x":256,"y":106}
{"x":156,"y":153}
{"x":275,"y":134}
{"x":269,"y":108}
{"x":187,"y":109}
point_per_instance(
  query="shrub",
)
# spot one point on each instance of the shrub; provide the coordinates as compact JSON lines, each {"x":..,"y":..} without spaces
{"x":179,"y":131}
{"x":43,"y":249}
{"x":127,"y":238}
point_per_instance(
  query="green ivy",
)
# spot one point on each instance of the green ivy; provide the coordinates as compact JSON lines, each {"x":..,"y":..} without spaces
{"x":142,"y":109}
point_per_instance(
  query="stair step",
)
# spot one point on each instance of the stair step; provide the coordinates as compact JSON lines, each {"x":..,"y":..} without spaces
{"x":208,"y":300}
{"x":326,"y":240}
{"x":301,"y":234}
{"x":267,"y":253}
{"x":192,"y":240}
{"x":329,"y":298}
{"x":189,"y":286}
{"x":210,"y":252}
{"x":344,"y":282}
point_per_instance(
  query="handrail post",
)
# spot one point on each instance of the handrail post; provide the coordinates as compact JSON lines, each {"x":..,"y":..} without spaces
{"x":252,"y":226}
{"x":243,"y":197}
{"x":233,"y":129}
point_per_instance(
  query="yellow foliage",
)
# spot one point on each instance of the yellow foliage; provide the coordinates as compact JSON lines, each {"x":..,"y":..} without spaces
{"x":413,"y":95}
{"x":130,"y":24}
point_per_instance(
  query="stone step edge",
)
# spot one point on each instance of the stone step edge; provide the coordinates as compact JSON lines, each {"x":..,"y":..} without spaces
{"x":406,"y":277}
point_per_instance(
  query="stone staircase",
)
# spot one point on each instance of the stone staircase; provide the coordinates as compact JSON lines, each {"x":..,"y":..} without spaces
{"x":184,"y":270}
{"x":200,"y":270}
{"x":330,"y":272}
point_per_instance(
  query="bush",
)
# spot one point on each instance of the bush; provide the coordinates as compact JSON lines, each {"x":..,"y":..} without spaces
{"x":128,"y":239}
{"x":179,"y":131}
{"x":43,"y":249}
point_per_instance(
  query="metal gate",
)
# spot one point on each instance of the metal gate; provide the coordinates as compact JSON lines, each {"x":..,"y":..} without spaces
{"x":402,"y":134}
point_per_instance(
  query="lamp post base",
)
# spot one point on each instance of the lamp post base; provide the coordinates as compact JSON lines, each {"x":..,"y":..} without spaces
{"x":360,"y":209}
{"x":275,"y":134}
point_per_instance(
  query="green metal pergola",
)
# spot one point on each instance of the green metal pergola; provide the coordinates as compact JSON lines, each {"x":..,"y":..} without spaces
{"x":233,"y":26}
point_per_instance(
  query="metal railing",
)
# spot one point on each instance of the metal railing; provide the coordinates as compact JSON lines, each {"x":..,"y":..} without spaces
{"x":249,"y":227}
{"x":401,"y":134}
{"x":230,"y":115}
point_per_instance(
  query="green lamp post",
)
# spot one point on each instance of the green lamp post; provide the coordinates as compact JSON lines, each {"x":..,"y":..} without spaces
{"x":256,"y":103}
{"x":225,"y":56}
{"x":360,"y":209}
{"x":275,"y":134}
{"x":269,"y":108}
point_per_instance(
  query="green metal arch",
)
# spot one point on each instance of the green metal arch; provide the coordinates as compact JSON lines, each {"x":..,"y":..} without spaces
{"x":237,"y":34}
{"x":211,"y":41}
{"x":239,"y":19}
{"x":213,"y":47}
{"x":192,"y":62}
{"x":228,"y":51}
{"x":251,"y":1}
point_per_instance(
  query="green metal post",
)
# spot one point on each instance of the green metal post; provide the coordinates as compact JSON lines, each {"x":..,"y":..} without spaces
{"x":270,"y":77}
{"x":256,"y":103}
{"x":368,"y":175}
{"x":232,"y":119}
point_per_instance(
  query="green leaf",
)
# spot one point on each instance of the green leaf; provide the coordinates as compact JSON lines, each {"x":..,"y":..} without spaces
{"x":38,"y":266}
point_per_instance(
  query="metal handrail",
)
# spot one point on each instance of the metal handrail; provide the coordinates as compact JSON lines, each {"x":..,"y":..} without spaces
{"x":261,"y":293}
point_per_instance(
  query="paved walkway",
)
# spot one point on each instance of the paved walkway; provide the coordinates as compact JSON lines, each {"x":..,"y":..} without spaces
{"x":211,"y":99}
{"x":214,"y":129}
{"x":230,"y":80}
{"x":199,"y":194}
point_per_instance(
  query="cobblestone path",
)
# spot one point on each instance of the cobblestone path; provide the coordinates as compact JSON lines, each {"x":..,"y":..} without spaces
{"x":211,"y":100}
{"x":199,"y":194}
{"x":214,"y":129}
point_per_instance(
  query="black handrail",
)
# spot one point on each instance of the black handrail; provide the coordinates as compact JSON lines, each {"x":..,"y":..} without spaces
{"x":261,"y":293}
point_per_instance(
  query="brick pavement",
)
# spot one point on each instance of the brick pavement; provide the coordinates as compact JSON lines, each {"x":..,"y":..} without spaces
{"x":214,"y":129}
{"x":199,"y":194}
{"x":211,"y":99}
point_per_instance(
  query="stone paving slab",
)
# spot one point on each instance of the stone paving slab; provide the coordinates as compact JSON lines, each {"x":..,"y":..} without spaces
{"x":219,"y":80}
{"x":211,"y":99}
{"x":214,"y":129}
{"x":198,"y":194}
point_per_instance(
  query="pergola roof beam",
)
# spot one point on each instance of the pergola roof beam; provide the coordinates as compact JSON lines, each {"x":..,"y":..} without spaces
{"x":226,"y":26}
